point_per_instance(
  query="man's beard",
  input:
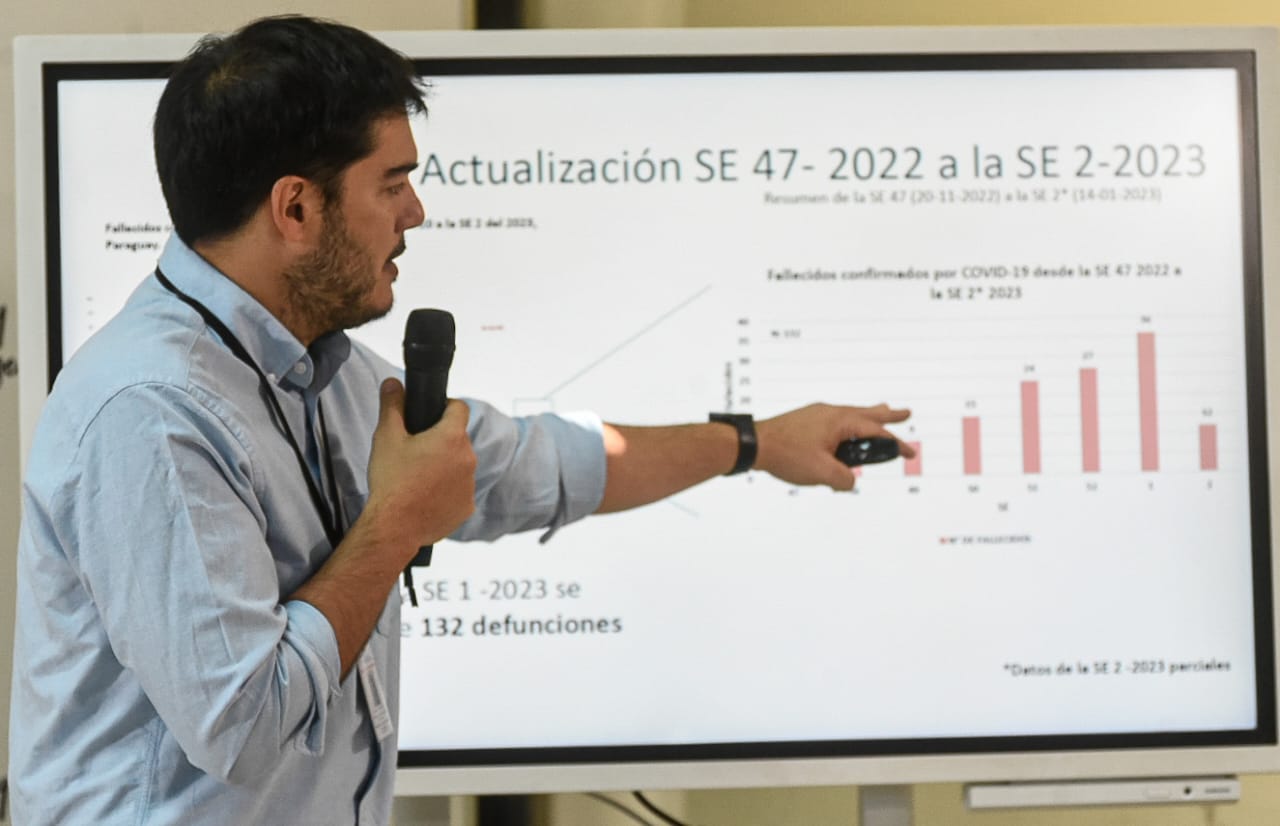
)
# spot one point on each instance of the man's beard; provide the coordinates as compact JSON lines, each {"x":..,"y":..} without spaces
{"x":330,"y":288}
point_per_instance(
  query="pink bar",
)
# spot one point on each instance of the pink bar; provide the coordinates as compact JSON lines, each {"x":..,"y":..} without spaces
{"x":972,"y":445}
{"x":1030,"y":427}
{"x":1147,"y":401}
{"x":1089,"y":449}
{"x":1208,"y":447}
{"x":913,"y":467}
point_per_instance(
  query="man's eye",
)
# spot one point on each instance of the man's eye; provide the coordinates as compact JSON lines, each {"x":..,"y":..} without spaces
{"x":397,"y":188}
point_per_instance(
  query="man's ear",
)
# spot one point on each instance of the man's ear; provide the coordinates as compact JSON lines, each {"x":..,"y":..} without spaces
{"x":297,"y":206}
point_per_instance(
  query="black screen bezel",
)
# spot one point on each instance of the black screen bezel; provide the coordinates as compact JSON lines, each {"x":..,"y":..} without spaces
{"x":1243,"y":63}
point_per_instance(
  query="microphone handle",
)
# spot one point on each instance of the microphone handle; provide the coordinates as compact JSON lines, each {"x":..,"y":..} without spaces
{"x":425,"y":397}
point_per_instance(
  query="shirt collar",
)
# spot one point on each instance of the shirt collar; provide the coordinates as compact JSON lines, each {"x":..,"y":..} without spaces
{"x":277,"y":351}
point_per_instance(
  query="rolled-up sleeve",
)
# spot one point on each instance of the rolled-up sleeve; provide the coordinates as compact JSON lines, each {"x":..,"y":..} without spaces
{"x":533,"y":472}
{"x":176,"y":562}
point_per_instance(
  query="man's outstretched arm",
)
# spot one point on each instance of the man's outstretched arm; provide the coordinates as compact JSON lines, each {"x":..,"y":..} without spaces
{"x":645,"y":464}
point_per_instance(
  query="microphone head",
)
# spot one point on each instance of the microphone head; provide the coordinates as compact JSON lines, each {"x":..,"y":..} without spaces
{"x":428,"y":340}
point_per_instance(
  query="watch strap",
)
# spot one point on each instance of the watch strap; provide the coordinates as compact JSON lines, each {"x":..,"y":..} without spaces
{"x":747,"y":443}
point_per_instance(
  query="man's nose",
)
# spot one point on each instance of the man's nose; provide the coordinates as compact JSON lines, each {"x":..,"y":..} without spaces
{"x":414,"y":213}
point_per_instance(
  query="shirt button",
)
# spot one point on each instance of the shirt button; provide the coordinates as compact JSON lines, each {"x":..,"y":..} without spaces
{"x":299,"y":368}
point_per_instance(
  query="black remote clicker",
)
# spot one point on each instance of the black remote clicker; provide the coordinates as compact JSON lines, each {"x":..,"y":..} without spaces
{"x":867,"y":451}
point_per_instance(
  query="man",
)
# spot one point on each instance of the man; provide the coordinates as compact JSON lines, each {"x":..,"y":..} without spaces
{"x":222,"y":491}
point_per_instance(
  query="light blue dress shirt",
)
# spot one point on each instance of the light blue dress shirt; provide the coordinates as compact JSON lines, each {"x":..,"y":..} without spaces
{"x":161,"y":674}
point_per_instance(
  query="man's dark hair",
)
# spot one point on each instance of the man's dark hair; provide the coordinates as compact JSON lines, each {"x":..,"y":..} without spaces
{"x":285,"y":95}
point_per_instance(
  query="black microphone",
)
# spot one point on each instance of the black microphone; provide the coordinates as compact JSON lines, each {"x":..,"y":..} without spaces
{"x":428,"y":354}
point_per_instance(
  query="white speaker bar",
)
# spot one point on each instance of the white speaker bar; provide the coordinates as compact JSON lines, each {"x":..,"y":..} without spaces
{"x":1163,"y":790}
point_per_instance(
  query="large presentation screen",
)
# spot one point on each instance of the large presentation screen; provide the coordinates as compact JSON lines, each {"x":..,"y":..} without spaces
{"x":1052,"y":259}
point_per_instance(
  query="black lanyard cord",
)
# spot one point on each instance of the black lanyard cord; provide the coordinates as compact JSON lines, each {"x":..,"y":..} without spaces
{"x":328,"y":517}
{"x":339,"y":512}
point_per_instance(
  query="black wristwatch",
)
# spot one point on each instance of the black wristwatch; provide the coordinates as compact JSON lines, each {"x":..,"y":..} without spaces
{"x":747,"y":444}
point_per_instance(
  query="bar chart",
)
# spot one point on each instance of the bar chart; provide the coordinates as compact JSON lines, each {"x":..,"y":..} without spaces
{"x":1057,"y":395}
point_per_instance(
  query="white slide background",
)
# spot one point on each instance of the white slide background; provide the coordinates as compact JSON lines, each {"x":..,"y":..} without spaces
{"x":752,"y":242}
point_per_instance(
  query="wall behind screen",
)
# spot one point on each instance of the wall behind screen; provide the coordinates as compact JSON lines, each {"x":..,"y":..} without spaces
{"x":980,"y":13}
{"x":938,"y":804}
{"x":552,"y":14}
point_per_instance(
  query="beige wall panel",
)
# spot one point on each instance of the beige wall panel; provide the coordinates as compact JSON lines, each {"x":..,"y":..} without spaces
{"x":941,"y":804}
{"x":977,"y":12}
{"x":594,"y":14}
